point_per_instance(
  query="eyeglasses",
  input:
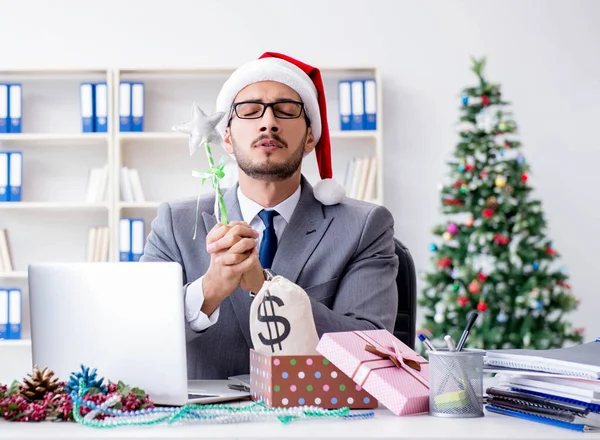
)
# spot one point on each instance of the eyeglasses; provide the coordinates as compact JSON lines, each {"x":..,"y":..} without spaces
{"x":284,"y":109}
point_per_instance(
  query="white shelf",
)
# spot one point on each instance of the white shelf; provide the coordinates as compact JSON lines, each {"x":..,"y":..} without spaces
{"x":15,"y":275}
{"x":54,"y":137}
{"x":354,"y":134}
{"x":15,"y":343}
{"x":141,"y":205}
{"x":53,"y":206}
{"x":159,"y":136}
{"x":167,"y":136}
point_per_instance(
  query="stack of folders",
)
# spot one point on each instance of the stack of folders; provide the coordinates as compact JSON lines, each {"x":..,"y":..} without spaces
{"x":94,"y":107}
{"x":560,"y":387}
{"x":358,"y":104}
{"x":10,"y":313}
{"x":360,"y":181}
{"x":131,"y":106}
{"x":98,"y":244}
{"x":10,"y":108}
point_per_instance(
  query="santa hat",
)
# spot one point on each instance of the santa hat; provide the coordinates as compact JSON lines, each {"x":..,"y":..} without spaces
{"x":304,"y":80}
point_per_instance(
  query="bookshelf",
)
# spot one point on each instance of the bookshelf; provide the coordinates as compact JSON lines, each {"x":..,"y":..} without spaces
{"x":58,"y":157}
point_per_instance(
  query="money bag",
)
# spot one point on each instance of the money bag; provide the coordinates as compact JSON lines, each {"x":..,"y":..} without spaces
{"x":281,"y":320}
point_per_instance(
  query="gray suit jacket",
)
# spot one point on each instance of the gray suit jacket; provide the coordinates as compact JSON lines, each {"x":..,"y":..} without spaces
{"x":341,"y":255}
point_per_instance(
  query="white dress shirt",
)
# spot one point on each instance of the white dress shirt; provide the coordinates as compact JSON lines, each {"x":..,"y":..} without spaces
{"x":194,"y":297}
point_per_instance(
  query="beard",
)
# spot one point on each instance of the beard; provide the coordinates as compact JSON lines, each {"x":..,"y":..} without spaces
{"x":269,"y":171}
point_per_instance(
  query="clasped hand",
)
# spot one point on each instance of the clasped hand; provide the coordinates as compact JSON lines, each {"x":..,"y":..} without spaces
{"x":234,"y":257}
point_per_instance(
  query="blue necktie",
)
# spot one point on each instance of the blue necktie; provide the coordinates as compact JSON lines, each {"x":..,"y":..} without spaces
{"x":268,"y":244}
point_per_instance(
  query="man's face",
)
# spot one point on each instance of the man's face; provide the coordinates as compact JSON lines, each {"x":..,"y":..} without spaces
{"x":270,"y":147}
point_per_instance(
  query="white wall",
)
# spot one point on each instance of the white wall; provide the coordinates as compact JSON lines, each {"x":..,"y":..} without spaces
{"x":544,"y":53}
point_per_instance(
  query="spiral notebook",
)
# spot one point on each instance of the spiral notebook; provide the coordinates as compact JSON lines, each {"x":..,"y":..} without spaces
{"x":577,"y":361}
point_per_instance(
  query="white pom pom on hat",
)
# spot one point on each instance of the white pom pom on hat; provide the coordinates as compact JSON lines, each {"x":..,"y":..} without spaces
{"x":307,"y":82}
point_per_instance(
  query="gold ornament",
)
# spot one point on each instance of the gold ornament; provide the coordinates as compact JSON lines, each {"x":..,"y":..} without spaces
{"x":39,"y":383}
{"x":492,"y":203}
{"x":500,"y":181}
{"x":503,"y":126}
{"x":469,"y":222}
{"x":447,"y":236}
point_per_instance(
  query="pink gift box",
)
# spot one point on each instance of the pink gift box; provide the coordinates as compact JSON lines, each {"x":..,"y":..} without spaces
{"x":385,"y":367}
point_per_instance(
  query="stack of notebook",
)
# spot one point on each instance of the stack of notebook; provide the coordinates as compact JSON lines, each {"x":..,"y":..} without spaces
{"x":560,"y":387}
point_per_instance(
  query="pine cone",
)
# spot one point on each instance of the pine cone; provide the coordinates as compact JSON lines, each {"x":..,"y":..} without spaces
{"x":492,"y":203}
{"x":39,"y":383}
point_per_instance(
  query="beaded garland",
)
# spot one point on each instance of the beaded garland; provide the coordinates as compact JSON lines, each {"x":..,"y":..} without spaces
{"x":214,"y":413}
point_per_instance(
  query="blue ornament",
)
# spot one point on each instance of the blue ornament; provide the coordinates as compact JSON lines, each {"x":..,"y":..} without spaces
{"x":501,"y":153}
{"x":502,"y":317}
{"x":89,"y":379}
{"x":535,"y":266}
{"x":461,"y":168}
{"x":539,"y":305}
{"x":433,"y":247}
{"x":465,"y":100}
{"x":563,"y":269}
{"x":520,"y":159}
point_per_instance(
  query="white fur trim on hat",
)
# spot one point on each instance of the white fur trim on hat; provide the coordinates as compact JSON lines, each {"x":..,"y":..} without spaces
{"x":271,"y":69}
{"x":329,"y":192}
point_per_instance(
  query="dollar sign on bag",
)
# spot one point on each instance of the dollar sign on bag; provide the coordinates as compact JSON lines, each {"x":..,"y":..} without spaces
{"x":267,"y":314}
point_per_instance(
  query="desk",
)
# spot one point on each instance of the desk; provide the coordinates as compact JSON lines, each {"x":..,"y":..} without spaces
{"x":383,"y":426}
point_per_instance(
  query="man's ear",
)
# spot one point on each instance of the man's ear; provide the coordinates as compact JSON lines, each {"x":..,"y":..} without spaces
{"x":227,"y":145}
{"x":309,"y":145}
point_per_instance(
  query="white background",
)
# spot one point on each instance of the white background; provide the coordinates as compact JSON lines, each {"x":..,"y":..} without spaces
{"x":544,"y":53}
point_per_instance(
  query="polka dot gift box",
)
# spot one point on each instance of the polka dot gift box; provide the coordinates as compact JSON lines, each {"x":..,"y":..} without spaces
{"x":286,"y":381}
{"x":380,"y":363}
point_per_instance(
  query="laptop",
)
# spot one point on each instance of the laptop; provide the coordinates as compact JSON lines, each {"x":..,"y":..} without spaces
{"x":124,"y":319}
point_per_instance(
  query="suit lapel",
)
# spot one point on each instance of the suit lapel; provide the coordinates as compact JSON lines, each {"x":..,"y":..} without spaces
{"x":301,"y":236}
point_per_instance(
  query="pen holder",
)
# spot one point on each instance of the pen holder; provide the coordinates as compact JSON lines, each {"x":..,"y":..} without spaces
{"x":456,"y":383}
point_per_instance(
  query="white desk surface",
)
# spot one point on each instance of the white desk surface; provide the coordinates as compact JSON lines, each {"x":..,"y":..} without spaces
{"x":383,"y":426}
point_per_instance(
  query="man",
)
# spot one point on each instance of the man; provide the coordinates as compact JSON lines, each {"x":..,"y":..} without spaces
{"x":339,"y":250}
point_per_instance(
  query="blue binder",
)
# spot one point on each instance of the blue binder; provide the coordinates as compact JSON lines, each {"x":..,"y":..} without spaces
{"x":4,"y":122}
{"x":4,"y":177}
{"x":540,"y":419}
{"x":15,"y":105}
{"x":358,"y":105}
{"x":125,"y":106}
{"x":87,"y":97}
{"x":370,"y":88}
{"x":137,"y":238}
{"x":345,"y":105}
{"x":137,"y":106}
{"x":3,"y":314}
{"x":14,"y":313}
{"x":125,"y":240}
{"x":101,"y":108}
{"x":15,"y":175}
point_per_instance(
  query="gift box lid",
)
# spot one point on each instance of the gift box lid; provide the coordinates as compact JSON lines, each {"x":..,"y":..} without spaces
{"x":385,"y":367}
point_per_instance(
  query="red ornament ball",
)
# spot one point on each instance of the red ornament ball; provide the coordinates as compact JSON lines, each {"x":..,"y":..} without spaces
{"x":482,"y":306}
{"x":482,"y":277}
{"x":485,"y":100}
{"x":444,"y":262}
{"x":474,"y":287}
{"x":524,"y":177}
{"x":488,"y":213}
{"x":550,"y":251}
{"x":462,"y":300}
{"x":501,"y":239}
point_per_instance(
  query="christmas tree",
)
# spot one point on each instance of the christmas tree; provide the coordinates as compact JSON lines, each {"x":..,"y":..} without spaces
{"x":491,"y":254}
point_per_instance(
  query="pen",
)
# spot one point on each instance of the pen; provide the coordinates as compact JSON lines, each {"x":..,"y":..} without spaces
{"x":465,"y":333}
{"x":426,"y":342}
{"x":450,"y":343}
